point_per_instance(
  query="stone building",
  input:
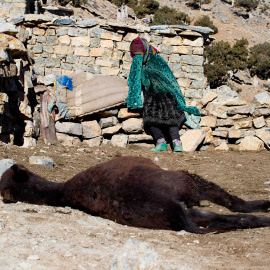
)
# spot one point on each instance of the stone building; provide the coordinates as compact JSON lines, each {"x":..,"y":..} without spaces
{"x":50,"y":45}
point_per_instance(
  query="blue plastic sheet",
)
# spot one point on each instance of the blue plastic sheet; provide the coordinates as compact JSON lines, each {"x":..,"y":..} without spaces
{"x":66,"y":81}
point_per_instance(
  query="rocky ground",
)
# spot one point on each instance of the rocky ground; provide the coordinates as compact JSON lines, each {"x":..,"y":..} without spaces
{"x":43,"y":237}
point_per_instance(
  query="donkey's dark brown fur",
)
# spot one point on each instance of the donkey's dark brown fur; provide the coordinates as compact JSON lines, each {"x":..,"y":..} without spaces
{"x":136,"y":192}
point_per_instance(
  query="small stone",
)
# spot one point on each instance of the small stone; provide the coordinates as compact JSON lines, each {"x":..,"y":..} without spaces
{"x":139,"y":137}
{"x":33,"y":257}
{"x":222,"y":147}
{"x":156,"y":159}
{"x":264,"y":135}
{"x":41,"y":160}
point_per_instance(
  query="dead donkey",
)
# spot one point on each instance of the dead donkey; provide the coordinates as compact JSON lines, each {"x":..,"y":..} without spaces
{"x":136,"y":192}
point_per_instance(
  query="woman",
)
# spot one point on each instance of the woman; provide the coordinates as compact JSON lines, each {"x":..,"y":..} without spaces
{"x":164,"y":107}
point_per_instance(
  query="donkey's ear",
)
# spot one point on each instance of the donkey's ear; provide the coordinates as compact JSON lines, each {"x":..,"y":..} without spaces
{"x":20,"y":173}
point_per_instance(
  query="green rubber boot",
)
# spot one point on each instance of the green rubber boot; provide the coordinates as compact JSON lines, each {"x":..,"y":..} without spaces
{"x":160,"y":147}
{"x":178,"y":148}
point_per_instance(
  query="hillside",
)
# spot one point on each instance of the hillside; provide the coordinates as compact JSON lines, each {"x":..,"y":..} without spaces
{"x":230,"y":21}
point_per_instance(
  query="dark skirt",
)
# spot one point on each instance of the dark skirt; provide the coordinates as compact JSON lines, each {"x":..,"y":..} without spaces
{"x":160,"y":109}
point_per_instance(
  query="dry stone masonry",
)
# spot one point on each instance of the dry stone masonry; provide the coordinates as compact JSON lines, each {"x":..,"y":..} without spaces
{"x":35,"y":48}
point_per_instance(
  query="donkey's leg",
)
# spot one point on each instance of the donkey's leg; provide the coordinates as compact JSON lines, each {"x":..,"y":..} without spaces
{"x":222,"y":223}
{"x":213,"y":193}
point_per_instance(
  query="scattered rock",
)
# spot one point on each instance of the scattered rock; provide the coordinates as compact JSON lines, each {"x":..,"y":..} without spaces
{"x":29,"y":142}
{"x":41,"y":160}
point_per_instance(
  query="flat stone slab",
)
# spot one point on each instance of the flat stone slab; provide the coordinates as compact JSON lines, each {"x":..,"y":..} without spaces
{"x":41,"y":160}
{"x":191,"y":139}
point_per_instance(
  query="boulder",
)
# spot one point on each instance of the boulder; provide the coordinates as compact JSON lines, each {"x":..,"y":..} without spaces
{"x":191,"y":139}
{"x":8,"y":28}
{"x":251,"y":143}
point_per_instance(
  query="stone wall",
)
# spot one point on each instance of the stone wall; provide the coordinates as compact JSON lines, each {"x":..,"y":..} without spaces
{"x":104,"y":49}
{"x":39,"y":46}
{"x":11,"y":8}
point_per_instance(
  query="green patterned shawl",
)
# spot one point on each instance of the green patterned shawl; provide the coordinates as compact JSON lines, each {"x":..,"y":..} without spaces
{"x":158,"y":74}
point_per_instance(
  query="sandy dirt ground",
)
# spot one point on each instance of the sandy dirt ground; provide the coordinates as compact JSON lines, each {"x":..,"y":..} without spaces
{"x":44,"y":237}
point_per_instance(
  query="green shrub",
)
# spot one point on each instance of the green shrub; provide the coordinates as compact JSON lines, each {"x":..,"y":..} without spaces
{"x":196,"y":4}
{"x":146,"y":7}
{"x":206,"y":22}
{"x":221,"y":58}
{"x":75,"y":3}
{"x":239,"y":53}
{"x":130,"y":3}
{"x":259,"y":60}
{"x":166,"y":15}
{"x":247,"y":4}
